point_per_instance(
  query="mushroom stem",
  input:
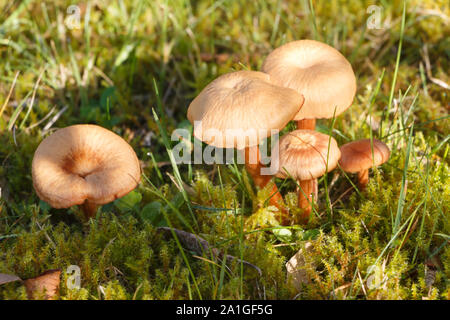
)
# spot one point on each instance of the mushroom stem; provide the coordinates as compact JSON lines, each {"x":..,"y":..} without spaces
{"x":253,"y":165}
{"x":306,"y":124}
{"x":363,"y":178}
{"x":89,"y":209}
{"x":305,"y":197}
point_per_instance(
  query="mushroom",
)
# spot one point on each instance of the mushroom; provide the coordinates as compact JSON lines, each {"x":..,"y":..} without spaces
{"x":319,"y":72}
{"x":84,"y":165}
{"x":238,"y":110}
{"x":306,"y":155}
{"x":359,"y":157}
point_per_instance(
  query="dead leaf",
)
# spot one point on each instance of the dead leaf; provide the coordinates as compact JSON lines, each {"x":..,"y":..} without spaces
{"x":45,"y":285}
{"x":344,"y":289}
{"x":219,"y":58}
{"x":222,"y":57}
{"x":426,"y":58}
{"x":7,"y":278}
{"x":200,"y":246}
{"x":295,"y":272}
{"x":189,"y":190}
{"x":430,"y":276}
{"x":191,"y":241}
{"x":431,"y":268}
{"x":4,"y":191}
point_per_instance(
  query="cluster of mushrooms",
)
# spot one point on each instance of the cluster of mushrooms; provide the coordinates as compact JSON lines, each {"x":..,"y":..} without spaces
{"x":301,"y":81}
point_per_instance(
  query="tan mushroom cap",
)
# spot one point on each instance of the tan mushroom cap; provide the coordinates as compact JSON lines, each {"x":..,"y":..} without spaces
{"x":316,"y":70}
{"x":239,"y":109}
{"x":357,"y":155}
{"x":84,"y":162}
{"x":306,"y":155}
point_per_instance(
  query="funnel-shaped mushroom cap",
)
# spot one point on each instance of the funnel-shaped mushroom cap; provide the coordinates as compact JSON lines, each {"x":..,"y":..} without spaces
{"x":317,"y":71}
{"x":358,"y":156}
{"x":306,"y":155}
{"x":84,"y":162}
{"x":239,"y":109}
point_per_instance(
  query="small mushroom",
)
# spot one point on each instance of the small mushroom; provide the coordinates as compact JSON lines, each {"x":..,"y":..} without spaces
{"x":359,"y":157}
{"x":238,"y":110}
{"x":319,"y":72}
{"x":306,"y":155}
{"x":84,"y":165}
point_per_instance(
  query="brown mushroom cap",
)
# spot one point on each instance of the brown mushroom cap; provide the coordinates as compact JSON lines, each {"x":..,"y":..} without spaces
{"x":357,"y":155}
{"x":316,"y":70}
{"x":303,"y":154}
{"x":84,"y":162}
{"x":241,"y":108}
